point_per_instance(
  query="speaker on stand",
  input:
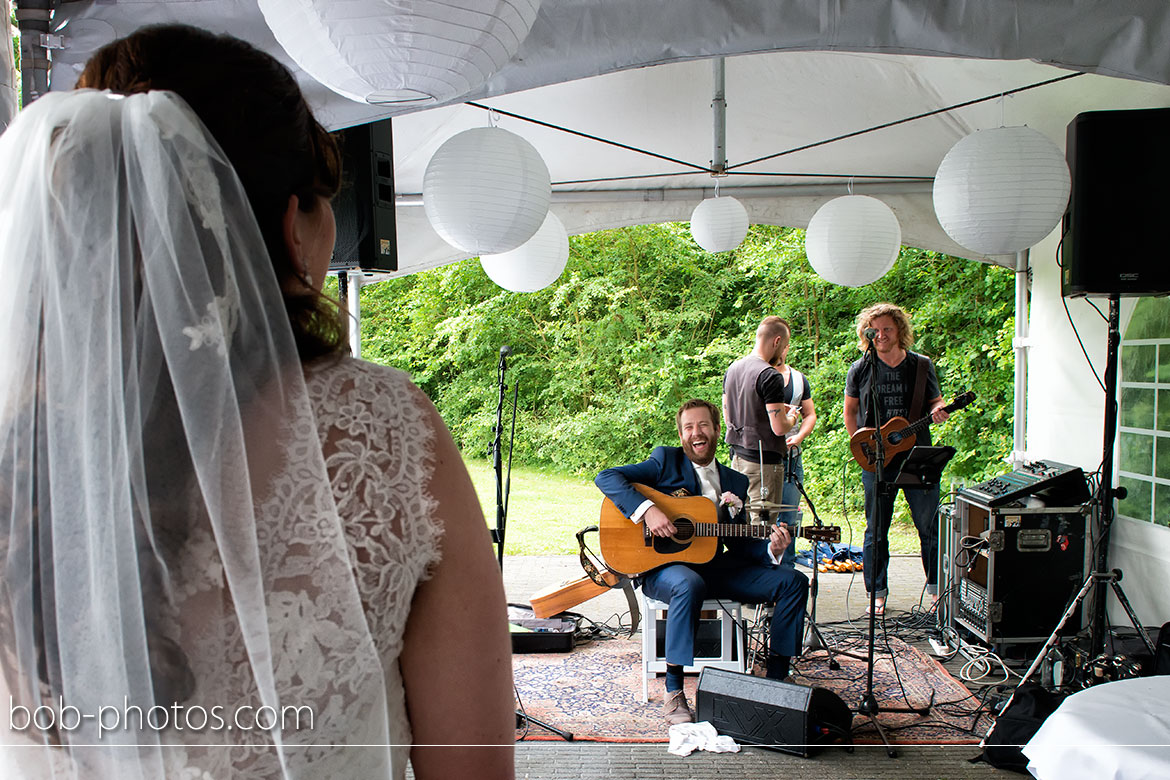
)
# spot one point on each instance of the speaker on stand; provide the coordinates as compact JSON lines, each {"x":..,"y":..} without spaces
{"x":1113,"y":243}
{"x":1118,"y":162}
{"x":364,"y":207}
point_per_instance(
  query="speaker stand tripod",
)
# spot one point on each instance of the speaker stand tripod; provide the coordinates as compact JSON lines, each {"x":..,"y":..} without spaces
{"x":1095,"y":579}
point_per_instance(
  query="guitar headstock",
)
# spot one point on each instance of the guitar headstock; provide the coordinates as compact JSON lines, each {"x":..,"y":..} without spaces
{"x":961,"y":400}
{"x":822,"y":533}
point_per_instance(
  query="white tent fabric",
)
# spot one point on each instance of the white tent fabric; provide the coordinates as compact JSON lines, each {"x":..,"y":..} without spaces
{"x":809,"y":71}
{"x":798,"y":73}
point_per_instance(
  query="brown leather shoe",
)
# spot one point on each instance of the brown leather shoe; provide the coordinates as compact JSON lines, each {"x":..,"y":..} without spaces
{"x":676,"y":709}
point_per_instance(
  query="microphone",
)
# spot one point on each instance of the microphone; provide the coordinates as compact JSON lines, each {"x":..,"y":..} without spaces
{"x":505,"y":351}
{"x":870,"y":333}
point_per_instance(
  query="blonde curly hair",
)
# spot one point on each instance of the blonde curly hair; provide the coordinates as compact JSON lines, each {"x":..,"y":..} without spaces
{"x":894,"y":312}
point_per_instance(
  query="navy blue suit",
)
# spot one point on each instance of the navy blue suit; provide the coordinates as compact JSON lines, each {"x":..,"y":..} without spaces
{"x":741,"y":570}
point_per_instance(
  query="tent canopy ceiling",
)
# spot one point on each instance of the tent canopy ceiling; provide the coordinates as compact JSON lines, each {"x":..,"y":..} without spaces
{"x":799,"y":73}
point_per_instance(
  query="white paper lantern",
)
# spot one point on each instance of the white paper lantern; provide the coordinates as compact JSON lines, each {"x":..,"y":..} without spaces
{"x":533,"y":265}
{"x":853,"y":240}
{"x":486,"y":191}
{"x":1000,"y":191}
{"x":719,"y":224}
{"x":394,"y":52}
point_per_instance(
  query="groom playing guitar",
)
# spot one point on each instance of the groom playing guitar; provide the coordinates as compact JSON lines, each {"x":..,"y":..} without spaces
{"x":743,"y":569}
{"x":905,"y":386}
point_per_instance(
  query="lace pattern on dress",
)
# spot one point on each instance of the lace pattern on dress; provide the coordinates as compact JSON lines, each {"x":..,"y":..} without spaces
{"x":372,"y":428}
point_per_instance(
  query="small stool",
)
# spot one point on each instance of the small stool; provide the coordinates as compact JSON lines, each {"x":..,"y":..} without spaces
{"x":731,"y":644}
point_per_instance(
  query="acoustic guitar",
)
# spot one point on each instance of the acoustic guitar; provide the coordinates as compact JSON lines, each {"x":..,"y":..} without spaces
{"x":897,"y":434}
{"x":629,"y":548}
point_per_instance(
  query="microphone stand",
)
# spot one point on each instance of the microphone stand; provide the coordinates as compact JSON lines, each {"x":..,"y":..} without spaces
{"x":868,"y":706}
{"x":497,"y":465}
{"x":503,"y":489}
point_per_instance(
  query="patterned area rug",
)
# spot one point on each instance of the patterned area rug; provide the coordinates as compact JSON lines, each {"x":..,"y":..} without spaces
{"x":595,"y":693}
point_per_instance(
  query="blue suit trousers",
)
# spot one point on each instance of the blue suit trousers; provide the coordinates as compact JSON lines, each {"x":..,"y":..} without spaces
{"x":685,"y":586}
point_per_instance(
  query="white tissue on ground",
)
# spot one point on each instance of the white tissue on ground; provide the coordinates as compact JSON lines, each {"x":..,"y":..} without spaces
{"x":686,"y":738}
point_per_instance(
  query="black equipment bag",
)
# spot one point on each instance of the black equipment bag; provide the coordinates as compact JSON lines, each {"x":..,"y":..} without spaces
{"x":1029,"y":708}
{"x":1162,"y":651}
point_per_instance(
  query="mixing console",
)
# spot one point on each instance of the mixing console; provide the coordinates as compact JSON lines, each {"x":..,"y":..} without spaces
{"x":1059,"y":483}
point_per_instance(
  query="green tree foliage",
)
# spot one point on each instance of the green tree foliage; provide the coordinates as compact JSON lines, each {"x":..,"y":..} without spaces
{"x":643,"y":319}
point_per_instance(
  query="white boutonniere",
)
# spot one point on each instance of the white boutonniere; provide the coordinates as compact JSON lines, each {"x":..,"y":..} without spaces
{"x":733,"y":503}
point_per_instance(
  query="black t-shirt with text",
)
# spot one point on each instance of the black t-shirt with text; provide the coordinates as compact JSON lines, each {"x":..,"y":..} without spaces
{"x":894,"y":387}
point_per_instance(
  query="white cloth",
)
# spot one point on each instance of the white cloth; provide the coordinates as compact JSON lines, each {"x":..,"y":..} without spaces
{"x":686,"y":738}
{"x":1114,"y":731}
{"x":189,"y":520}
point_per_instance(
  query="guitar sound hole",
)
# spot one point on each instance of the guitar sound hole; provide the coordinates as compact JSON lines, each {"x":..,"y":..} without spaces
{"x":684,"y":532}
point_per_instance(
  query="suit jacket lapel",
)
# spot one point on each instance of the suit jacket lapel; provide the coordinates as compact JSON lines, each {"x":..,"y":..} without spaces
{"x":726,"y":479}
{"x":690,"y":477}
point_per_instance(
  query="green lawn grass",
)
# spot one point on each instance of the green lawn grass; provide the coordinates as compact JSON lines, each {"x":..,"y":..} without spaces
{"x":546,"y":509}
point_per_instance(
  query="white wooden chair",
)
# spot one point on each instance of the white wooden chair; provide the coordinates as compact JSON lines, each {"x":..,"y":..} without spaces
{"x":731,"y":642}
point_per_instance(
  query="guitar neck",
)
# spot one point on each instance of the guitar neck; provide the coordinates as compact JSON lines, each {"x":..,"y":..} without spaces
{"x":733,"y":529}
{"x":916,"y":426}
{"x":919,"y":425}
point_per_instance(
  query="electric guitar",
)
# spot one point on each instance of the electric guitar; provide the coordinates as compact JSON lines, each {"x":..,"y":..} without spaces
{"x":897,"y":434}
{"x":630,"y":549}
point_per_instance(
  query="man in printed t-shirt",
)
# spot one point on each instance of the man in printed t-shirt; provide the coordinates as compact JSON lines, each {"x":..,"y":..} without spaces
{"x":900,"y":375}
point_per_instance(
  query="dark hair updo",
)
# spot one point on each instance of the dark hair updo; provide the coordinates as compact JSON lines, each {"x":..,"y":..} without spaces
{"x":255,"y":110}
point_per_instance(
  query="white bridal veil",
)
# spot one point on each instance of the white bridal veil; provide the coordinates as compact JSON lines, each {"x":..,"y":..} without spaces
{"x":157,"y":615}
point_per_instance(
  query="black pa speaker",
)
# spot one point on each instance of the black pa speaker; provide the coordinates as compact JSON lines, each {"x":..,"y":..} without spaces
{"x":364,"y":208}
{"x":1119,"y":162}
{"x":770,"y":713}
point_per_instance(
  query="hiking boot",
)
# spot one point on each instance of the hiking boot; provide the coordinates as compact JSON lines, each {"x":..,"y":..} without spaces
{"x":676,"y":710}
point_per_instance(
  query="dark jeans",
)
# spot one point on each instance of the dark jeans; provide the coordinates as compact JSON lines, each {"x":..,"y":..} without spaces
{"x":791,"y":496}
{"x":879,"y":513}
{"x":684,"y":587}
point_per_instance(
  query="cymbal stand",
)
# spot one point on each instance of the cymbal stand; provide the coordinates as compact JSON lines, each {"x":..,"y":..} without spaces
{"x":813,"y":638}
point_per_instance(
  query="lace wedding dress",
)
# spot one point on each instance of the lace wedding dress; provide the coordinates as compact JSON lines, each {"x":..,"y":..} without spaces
{"x":373,"y":431}
{"x":372,"y":427}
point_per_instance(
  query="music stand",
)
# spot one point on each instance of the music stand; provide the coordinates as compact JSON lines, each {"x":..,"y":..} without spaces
{"x":923,"y":467}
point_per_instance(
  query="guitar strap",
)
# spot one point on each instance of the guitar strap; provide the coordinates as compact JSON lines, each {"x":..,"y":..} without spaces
{"x":796,"y":379}
{"x":609,"y":578}
{"x":916,"y":410}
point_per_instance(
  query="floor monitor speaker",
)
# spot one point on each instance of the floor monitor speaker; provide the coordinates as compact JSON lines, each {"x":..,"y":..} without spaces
{"x":1119,"y":162}
{"x":364,"y":208}
{"x":770,"y":713}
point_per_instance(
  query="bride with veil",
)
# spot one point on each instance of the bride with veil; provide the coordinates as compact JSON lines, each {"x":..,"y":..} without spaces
{"x":228,"y":550}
